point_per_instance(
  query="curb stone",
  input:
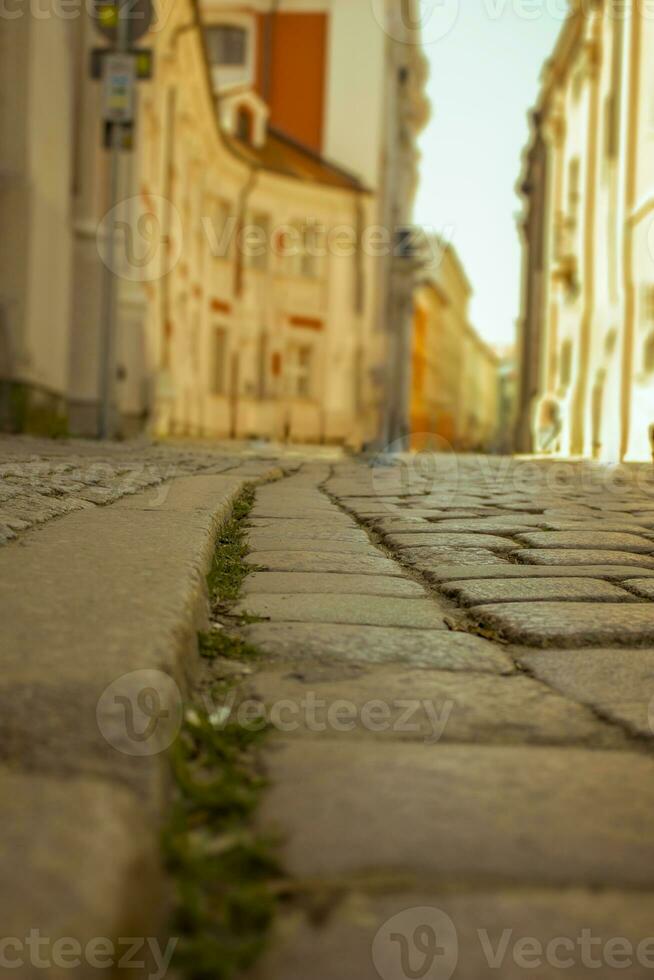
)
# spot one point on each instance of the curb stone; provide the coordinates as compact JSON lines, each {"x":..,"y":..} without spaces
{"x":85,"y":600}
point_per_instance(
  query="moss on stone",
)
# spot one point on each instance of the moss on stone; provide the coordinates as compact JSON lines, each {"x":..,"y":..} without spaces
{"x":224,"y":872}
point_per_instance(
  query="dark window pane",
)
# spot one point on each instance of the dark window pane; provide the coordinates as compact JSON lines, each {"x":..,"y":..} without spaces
{"x":227,"y":45}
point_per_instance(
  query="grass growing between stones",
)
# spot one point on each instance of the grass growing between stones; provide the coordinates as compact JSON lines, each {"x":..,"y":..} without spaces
{"x":228,"y":569}
{"x":223,"y":871}
{"x":222,"y":644}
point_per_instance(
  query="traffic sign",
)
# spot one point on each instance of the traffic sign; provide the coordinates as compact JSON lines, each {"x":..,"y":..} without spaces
{"x":138,"y":14}
{"x":119,"y":88}
{"x":144,"y":62}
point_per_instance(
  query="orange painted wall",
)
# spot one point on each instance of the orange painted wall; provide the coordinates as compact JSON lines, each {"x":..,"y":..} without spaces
{"x":297,"y":90}
{"x":419,"y":417}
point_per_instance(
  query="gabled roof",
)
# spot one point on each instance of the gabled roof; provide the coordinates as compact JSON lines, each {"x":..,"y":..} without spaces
{"x":283,"y":155}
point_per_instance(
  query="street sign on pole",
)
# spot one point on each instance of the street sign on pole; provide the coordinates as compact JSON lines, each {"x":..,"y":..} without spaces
{"x":119,"y":88}
{"x":144,"y":62}
{"x":135,"y":16}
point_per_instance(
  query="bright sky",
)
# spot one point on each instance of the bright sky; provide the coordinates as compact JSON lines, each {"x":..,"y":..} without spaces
{"x":484,"y":78}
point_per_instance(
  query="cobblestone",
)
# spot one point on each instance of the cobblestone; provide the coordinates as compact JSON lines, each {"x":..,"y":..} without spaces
{"x":506,"y":605}
{"x":473,"y":593}
{"x":571,"y":624}
{"x":447,"y":707}
{"x":297,"y":583}
{"x":574,"y":556}
{"x":313,"y":560}
{"x":557,"y":816}
{"x":437,"y":649}
{"x":269,"y":541}
{"x":617,"y":684}
{"x":42,"y":480}
{"x":425,"y":559}
{"x":444,"y":539}
{"x":509,"y":570}
{"x":601,"y":540}
{"x":352,"y":610}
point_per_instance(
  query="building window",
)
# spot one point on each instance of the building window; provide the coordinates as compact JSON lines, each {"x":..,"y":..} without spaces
{"x":301,"y":250}
{"x":301,"y":371}
{"x":219,"y":362}
{"x":228,"y":45}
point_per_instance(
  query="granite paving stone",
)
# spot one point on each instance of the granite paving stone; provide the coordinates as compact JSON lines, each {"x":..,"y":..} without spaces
{"x":268,"y":541}
{"x":296,"y":583}
{"x":430,"y":706}
{"x":472,"y":926}
{"x":621,"y":527}
{"x":445,"y":539}
{"x":438,"y":649}
{"x":489,"y":525}
{"x":329,"y":520}
{"x":352,"y":609}
{"x":597,"y":539}
{"x":312,"y":559}
{"x":578,"y":556}
{"x":558,"y":816}
{"x":510,"y":570}
{"x":476,"y":593}
{"x":288,"y":531}
{"x":643,"y":587}
{"x":573,"y":624}
{"x":290,"y":512}
{"x":618,"y":684}
{"x":424,"y":559}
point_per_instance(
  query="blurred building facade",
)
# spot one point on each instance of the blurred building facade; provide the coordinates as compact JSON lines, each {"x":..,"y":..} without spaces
{"x":586,"y":336}
{"x":260,"y":249}
{"x":455,"y":375}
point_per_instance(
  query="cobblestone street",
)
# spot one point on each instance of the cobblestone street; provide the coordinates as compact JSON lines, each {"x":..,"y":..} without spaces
{"x":508,"y":786}
{"x":456,"y":664}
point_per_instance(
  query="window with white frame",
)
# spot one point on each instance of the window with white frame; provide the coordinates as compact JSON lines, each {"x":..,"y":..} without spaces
{"x":302,"y":251}
{"x":231,"y":50}
{"x":227,"y":45}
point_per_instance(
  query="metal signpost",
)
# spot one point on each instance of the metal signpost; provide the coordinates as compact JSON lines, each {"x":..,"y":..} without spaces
{"x":123,"y":22}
